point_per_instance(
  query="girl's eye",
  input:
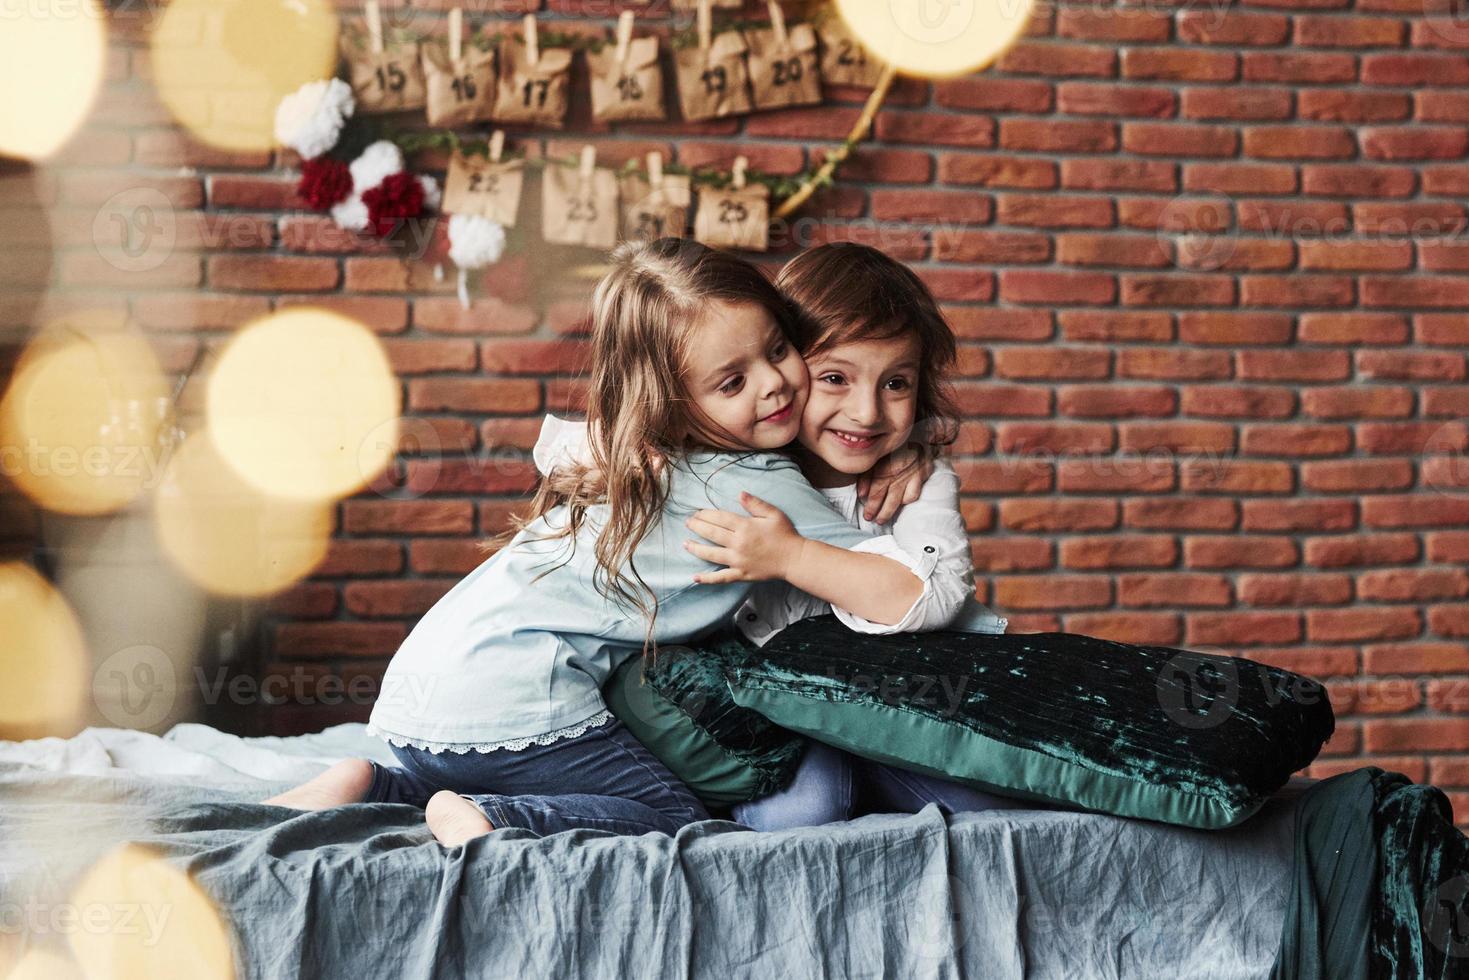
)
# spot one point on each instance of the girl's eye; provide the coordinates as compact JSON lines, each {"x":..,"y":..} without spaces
{"x":832,"y":379}
{"x":730,"y":386}
{"x":779,"y":351}
{"x":902,"y":384}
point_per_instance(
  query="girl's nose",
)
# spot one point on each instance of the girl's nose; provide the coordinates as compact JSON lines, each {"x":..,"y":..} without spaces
{"x":863,"y":407}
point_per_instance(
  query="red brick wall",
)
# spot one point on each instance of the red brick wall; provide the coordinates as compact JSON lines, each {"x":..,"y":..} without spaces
{"x":1251,"y":441}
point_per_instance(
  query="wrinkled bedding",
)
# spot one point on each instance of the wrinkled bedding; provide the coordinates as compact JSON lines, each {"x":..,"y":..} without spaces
{"x":365,"y":891}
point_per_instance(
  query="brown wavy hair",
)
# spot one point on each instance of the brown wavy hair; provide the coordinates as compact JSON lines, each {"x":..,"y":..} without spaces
{"x":846,"y":292}
{"x":639,"y":413}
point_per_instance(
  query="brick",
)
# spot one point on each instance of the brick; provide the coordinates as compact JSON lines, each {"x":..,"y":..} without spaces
{"x":1298,"y":67}
{"x":1357,"y":180}
{"x":1356,"y":476}
{"x":1179,"y":139}
{"x":407,"y":517}
{"x":990,"y":323}
{"x":1119,"y":551}
{"x":771,"y":158}
{"x":1354,"y":329}
{"x":887,"y":166}
{"x":1241,"y":628}
{"x":408,"y":597}
{"x":1410,"y":366}
{"x":1239,"y":178}
{"x":1414,"y":143}
{"x":966,"y":245}
{"x":1415,"y":69}
{"x":1233,"y":28}
{"x":1052,"y":592}
{"x":1111,"y":250}
{"x":1119,"y":24}
{"x":995,"y":171}
{"x":1054,"y":211}
{"x":314,"y":640}
{"x":1058,"y":135}
{"x":360,"y":559}
{"x":304,"y":600}
{"x":1295,"y":440}
{"x":1181,"y":437}
{"x":1414,"y":584}
{"x":479,"y":475}
{"x":1027,"y":286}
{"x":1390,"y":697}
{"x":1179,"y":64}
{"x":1292,"y":365}
{"x":986,"y":93}
{"x":1298,"y":142}
{"x":1235,"y":102}
{"x":1435,"y":220}
{"x":1176,"y":290}
{"x":1299,"y":515}
{"x":1448,"y":546}
{"x":1097,"y":99}
{"x":1069,"y":60}
{"x":1176,"y":365}
{"x":428,"y":356}
{"x":1415,"y":658}
{"x":1058,"y":514}
{"x":480,"y":395}
{"x":1240,"y":551}
{"x":534,"y":357}
{"x":1416,"y":735}
{"x":1336,"y":105}
{"x":944,"y":207}
{"x":1115,"y":326}
{"x":1345,"y":403}
{"x":1362,"y":624}
{"x":1294,"y":590}
{"x":1021,"y":475}
{"x":1313,"y":661}
{"x":1180,"y":513}
{"x":1119,"y":175}
{"x":1451,"y":696}
{"x":940,"y":128}
{"x":1175,"y":590}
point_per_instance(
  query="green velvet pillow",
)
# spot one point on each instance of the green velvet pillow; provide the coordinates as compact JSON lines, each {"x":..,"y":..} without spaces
{"x":681,"y":709}
{"x":1187,"y":738}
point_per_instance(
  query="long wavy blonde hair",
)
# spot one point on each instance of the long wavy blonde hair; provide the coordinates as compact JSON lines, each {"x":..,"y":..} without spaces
{"x":639,"y":413}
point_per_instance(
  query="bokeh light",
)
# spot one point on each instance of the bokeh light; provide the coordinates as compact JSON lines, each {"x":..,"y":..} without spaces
{"x":936,"y":38}
{"x":51,"y":61}
{"x":222,"y":66}
{"x":304,"y":404}
{"x":79,"y":422}
{"x":172,"y":928}
{"x":226,"y":535}
{"x":43,"y":671}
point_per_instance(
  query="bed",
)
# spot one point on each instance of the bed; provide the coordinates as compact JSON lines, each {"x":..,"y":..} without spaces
{"x":364,"y":891}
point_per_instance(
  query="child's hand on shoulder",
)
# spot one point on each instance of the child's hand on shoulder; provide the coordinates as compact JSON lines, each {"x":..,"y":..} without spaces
{"x":757,"y":548}
{"x":895,"y":481}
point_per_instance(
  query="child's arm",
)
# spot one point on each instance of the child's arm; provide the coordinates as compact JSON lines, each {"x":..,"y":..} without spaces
{"x":876,"y":580}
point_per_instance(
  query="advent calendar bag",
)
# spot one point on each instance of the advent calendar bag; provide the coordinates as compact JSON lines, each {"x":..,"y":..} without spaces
{"x":390,"y":80}
{"x":734,"y":217}
{"x":844,"y":61}
{"x":533,"y":82}
{"x":649,"y":212}
{"x":627,"y":81}
{"x":459,"y":92}
{"x":490,"y":189}
{"x":579,"y":205}
{"x":713,"y":81}
{"x":783,"y":64}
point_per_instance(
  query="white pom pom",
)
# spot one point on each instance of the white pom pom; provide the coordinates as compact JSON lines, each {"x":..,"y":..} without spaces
{"x":310,"y":119}
{"x":432,"y":196}
{"x":351,"y":214}
{"x":377,"y":163}
{"x":475,"y":242}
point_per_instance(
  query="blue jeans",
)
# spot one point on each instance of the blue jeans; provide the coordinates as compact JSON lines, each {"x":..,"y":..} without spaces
{"x":602,"y":779}
{"x":831,"y":785}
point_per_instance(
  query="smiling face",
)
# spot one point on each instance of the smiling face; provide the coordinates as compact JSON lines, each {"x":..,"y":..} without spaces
{"x":745,"y":376}
{"x":862,"y":406}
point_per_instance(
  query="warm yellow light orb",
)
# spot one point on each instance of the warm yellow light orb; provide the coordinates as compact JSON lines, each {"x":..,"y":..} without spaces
{"x":51,"y":60}
{"x":79,"y":422}
{"x":229,"y":537}
{"x":222,"y":66}
{"x":304,"y":404}
{"x":43,"y":667}
{"x":172,"y":929}
{"x":936,"y":38}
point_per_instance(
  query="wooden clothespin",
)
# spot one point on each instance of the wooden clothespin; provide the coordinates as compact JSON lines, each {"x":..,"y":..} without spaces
{"x":456,"y":35}
{"x":655,"y":170}
{"x":706,"y":25}
{"x":624,"y":36}
{"x":497,"y":145}
{"x":737,"y":175}
{"x":532,"y":40}
{"x":588,"y":163}
{"x":375,"y":26}
{"x":778,"y":22}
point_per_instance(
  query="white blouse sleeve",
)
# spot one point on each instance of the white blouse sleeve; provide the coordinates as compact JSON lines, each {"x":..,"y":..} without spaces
{"x":930,"y":533}
{"x":561,"y":442}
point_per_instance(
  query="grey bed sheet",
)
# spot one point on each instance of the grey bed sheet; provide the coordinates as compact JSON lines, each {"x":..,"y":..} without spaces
{"x":364,"y":891}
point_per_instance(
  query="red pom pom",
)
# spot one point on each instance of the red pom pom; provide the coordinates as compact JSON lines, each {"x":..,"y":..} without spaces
{"x":399,"y":196}
{"x":325,"y":182}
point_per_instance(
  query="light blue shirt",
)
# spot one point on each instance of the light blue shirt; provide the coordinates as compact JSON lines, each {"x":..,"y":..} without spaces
{"x":500,"y":660}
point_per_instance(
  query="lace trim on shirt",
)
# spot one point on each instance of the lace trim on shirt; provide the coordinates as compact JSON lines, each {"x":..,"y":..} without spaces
{"x":510,"y":745}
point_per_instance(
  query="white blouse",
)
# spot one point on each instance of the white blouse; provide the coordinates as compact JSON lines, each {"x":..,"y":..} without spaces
{"x":928,"y":536}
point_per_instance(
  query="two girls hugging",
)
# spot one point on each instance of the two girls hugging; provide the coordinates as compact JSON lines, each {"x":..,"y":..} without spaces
{"x":755,"y":415}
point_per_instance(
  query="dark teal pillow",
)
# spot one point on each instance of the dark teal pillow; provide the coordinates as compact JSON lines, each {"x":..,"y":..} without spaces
{"x":1187,"y":738}
{"x":681,"y":709}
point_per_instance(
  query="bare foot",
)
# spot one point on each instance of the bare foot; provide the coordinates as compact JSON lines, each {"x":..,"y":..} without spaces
{"x":454,"y":820}
{"x":346,"y":782}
